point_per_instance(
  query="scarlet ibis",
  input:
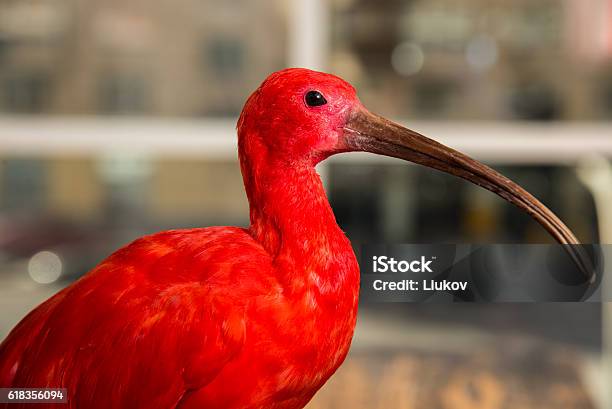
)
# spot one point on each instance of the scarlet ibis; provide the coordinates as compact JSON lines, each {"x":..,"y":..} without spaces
{"x":229,"y":317}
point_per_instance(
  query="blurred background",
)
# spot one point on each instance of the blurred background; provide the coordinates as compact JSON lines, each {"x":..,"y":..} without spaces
{"x":117,"y":119}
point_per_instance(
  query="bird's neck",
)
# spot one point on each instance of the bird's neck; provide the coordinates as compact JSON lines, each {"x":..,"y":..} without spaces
{"x":292,"y":219}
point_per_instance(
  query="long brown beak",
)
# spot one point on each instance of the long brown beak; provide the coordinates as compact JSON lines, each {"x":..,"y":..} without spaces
{"x":365,"y":131}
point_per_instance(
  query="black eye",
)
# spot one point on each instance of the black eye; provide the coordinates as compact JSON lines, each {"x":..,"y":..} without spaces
{"x":314,"y":99}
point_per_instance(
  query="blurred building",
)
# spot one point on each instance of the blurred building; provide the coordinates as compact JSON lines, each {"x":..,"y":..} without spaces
{"x":544,"y":60}
{"x":131,"y":58}
{"x":450,"y":59}
{"x":186,"y":58}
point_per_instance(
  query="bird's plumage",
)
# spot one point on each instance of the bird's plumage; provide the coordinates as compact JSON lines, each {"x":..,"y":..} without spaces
{"x":171,"y":321}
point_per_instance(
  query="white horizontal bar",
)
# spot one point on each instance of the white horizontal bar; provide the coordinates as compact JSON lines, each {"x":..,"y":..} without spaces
{"x":59,"y":136}
{"x":495,"y":142}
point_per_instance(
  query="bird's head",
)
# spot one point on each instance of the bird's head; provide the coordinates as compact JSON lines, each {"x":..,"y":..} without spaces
{"x":298,"y":117}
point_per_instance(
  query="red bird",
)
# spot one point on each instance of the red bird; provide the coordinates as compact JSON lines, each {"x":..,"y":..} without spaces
{"x":229,"y":317}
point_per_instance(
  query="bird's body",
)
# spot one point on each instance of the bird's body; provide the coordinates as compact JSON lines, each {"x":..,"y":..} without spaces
{"x":171,"y":321}
{"x":227,"y":317}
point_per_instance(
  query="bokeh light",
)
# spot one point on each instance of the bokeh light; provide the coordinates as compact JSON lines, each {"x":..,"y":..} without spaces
{"x":45,"y":267}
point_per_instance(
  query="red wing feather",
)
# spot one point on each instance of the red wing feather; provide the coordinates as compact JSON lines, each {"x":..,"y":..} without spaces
{"x":149,"y":324}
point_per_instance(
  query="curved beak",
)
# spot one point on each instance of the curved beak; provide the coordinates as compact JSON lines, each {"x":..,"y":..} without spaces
{"x":365,"y":131}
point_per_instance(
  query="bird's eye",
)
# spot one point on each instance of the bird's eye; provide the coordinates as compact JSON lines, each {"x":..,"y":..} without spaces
{"x":314,"y":99}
